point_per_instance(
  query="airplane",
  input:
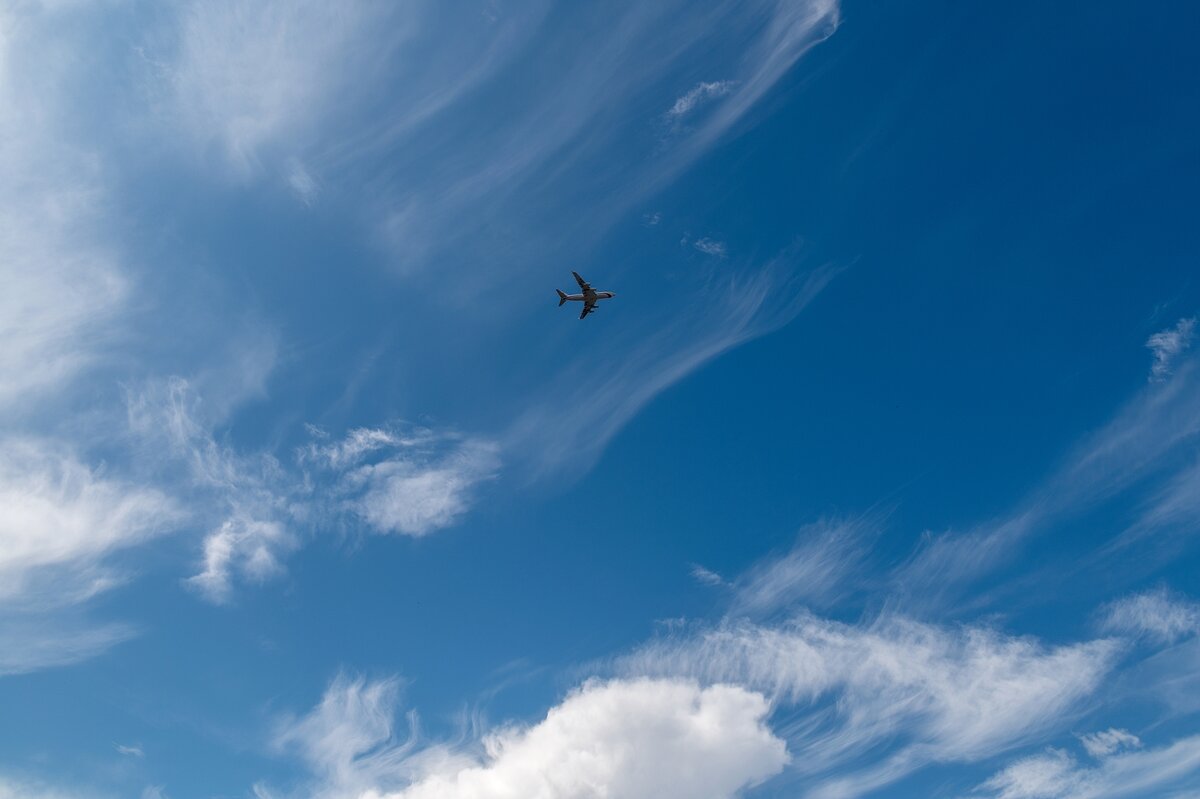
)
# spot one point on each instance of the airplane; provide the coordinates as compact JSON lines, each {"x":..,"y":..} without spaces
{"x":588,"y":296}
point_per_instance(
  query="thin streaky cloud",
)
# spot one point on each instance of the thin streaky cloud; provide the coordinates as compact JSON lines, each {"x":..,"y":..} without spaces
{"x":940,"y":694}
{"x":250,"y":503}
{"x":815,"y":572}
{"x":1057,"y":775}
{"x":698,"y":94}
{"x":32,"y":642}
{"x":1156,"y":615}
{"x":60,"y":520}
{"x":64,"y":284}
{"x":1142,"y":439}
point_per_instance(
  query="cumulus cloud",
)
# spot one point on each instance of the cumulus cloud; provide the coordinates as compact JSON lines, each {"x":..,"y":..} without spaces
{"x":941,"y":694}
{"x":1105,"y":742}
{"x":637,"y":739}
{"x":1157,"y":615}
{"x":1166,"y":346}
{"x":1056,"y":775}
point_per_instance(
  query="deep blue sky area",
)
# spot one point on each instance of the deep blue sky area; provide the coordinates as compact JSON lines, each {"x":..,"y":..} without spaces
{"x":879,"y":475}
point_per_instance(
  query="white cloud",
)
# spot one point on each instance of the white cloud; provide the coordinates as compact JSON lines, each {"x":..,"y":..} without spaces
{"x":31,"y":641}
{"x":347,"y":739}
{"x":814,"y":571}
{"x":1045,"y":776}
{"x":59,"y":520}
{"x":1105,"y":742}
{"x":636,"y":739}
{"x":409,"y":481}
{"x":242,"y":545}
{"x":706,"y":576}
{"x":935,"y":694}
{"x":1167,"y":345}
{"x":1056,"y":775}
{"x":62,"y":525}
{"x":16,"y":788}
{"x":698,"y":94}
{"x":252,"y":77}
{"x":1153,"y":614}
{"x":418,"y":481}
{"x":415,"y":498}
{"x":131,"y":751}
{"x":249,"y":499}
{"x":710,"y":247}
{"x":302,"y":182}
{"x":63,"y":286}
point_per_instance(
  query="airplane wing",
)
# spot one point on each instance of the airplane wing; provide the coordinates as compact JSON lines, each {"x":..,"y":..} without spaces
{"x":588,"y":307}
{"x":583,"y":284}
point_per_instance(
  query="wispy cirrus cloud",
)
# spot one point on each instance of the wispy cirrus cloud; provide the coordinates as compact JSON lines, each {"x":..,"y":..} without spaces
{"x":430,"y":191}
{"x":605,"y":738}
{"x":711,"y":247}
{"x":66,"y":516}
{"x":1106,"y":742}
{"x":814,"y":572}
{"x":697,"y":95}
{"x":1156,"y":615}
{"x":64,"y":284}
{"x":258,"y":508}
{"x":60,"y":519}
{"x":255,"y":81}
{"x":938,"y":694}
{"x":1055,"y":774}
{"x":250,"y":501}
{"x":1150,"y":437}
{"x":410,"y":482}
{"x":61,"y":525}
{"x":1169,"y":344}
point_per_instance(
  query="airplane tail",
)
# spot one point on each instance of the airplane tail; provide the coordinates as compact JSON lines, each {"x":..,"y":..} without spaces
{"x":561,"y":297}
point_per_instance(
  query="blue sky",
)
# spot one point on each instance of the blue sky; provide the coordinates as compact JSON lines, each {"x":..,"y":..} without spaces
{"x":879,"y":477}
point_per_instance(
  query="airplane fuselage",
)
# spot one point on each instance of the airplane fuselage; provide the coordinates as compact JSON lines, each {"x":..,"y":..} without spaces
{"x":599,"y":295}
